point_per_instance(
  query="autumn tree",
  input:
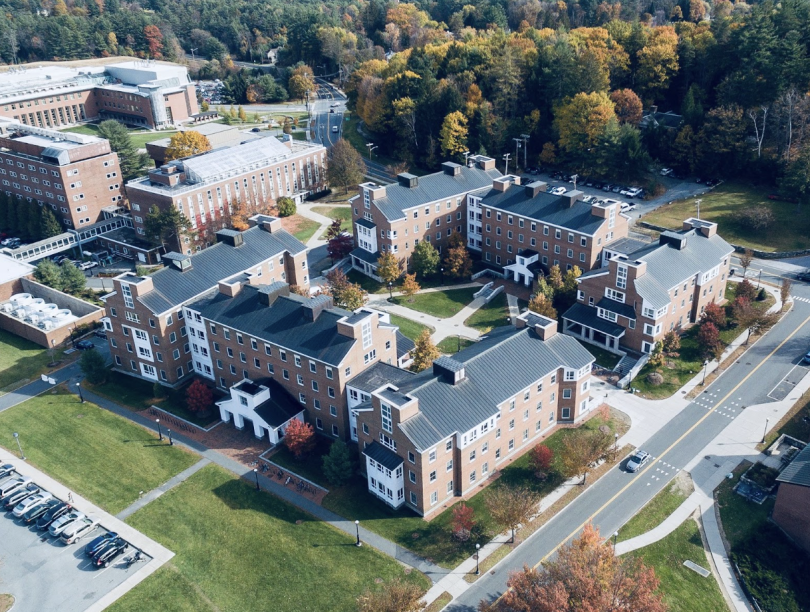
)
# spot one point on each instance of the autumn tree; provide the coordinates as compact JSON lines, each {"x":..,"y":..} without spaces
{"x":335,"y":228}
{"x":628,"y":106}
{"x":584,"y":575}
{"x":580,"y":450}
{"x":339,"y":246}
{"x":299,"y":438}
{"x":714,"y":314}
{"x":185,"y":144}
{"x":394,"y":596}
{"x":458,"y":262}
{"x":555,"y":278}
{"x":657,"y":62}
{"x":345,"y":294}
{"x":540,"y":304}
{"x":672,"y":342}
{"x":746,"y":289}
{"x":784,"y":291}
{"x":425,"y":258}
{"x":242,"y":114}
{"x":286,"y":206}
{"x":708,"y":338}
{"x":154,"y":41}
{"x":541,"y":458}
{"x":301,"y":80}
{"x":424,"y":352}
{"x":656,"y":359}
{"x":453,"y":134}
{"x":580,"y":123}
{"x":389,"y":269}
{"x":346,"y":166}
{"x":337,"y":464}
{"x":199,"y":398}
{"x":410,"y":286}
{"x":462,"y":522}
{"x":746,"y":257}
{"x":509,"y":506}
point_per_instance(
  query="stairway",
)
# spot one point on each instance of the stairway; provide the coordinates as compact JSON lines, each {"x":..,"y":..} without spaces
{"x":625,"y":364}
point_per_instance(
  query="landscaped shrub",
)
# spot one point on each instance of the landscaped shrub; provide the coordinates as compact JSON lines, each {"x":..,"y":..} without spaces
{"x":755,"y":218}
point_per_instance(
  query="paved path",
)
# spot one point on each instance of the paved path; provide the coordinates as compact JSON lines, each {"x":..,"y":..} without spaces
{"x":305,"y":210}
{"x":514,"y":309}
{"x":168,"y":485}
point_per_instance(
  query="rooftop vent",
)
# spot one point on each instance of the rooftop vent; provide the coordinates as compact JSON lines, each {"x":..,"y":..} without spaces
{"x":451,"y":370}
{"x":673,"y":239}
{"x":451,"y":168}
{"x":178,"y":261}
{"x":534,"y":188}
{"x":268,"y":294}
{"x":231,"y":237}
{"x":408,"y":180}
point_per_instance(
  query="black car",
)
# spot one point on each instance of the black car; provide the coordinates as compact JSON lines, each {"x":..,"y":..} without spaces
{"x":54,"y":513}
{"x":110,"y":553}
{"x":97,"y":544}
{"x":37,"y":511}
{"x":804,"y":276}
{"x":85,"y":345}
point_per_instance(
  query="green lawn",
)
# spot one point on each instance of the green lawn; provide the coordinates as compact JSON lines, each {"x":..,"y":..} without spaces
{"x":100,"y":455}
{"x":371,"y":286}
{"x":139,"y":137}
{"x":683,"y":589}
{"x":21,"y":360}
{"x":790,"y":231}
{"x":433,"y":539}
{"x":604,"y":358}
{"x":453,"y":344}
{"x":409,"y":328}
{"x":300,"y":227}
{"x":441,"y":304}
{"x":238,"y":549}
{"x":344,"y":213}
{"x":654,"y":513}
{"x":494,"y":314}
{"x":310,"y":466}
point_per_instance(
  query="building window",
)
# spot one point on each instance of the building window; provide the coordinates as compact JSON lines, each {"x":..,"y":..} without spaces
{"x":385,"y":411}
{"x":411,"y":457}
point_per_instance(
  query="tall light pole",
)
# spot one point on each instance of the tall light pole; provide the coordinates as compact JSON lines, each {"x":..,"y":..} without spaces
{"x":357,"y":527}
{"x":370,"y":146}
{"x":192,"y":55}
{"x":705,"y":367}
{"x":518,"y":142}
{"x":477,"y":557}
{"x":160,"y":432}
{"x":615,"y":537}
{"x":575,"y":178}
{"x":171,"y":441}
{"x":506,"y":159}
{"x":79,"y":387}
{"x":256,"y":474}
{"x":615,"y":444}
{"x":764,"y":433}
{"x":697,"y":202}
{"x":525,"y":138}
{"x":17,"y":438}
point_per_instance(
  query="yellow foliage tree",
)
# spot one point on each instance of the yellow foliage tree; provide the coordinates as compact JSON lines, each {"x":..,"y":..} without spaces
{"x":410,"y":286}
{"x":186,"y":143}
{"x":657,"y":63}
{"x":424,"y":352}
{"x":581,"y":121}
{"x":453,"y":135}
{"x":542,"y":306}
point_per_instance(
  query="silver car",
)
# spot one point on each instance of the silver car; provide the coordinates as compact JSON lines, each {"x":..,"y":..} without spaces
{"x":59,"y":525}
{"x":637,"y":461}
{"x":31,"y":502}
{"x":12,"y":484}
{"x":76,"y":530}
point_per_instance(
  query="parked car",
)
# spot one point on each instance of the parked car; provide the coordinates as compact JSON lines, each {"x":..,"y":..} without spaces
{"x":256,"y":129}
{"x":8,"y":486}
{"x":666,"y":171}
{"x":53,"y":514}
{"x":100,"y":333}
{"x":597,"y":185}
{"x":12,"y":499}
{"x":334,"y":128}
{"x":558,"y":191}
{"x":617,"y":188}
{"x":88,"y":265}
{"x":625,"y":207}
{"x":110,"y":553}
{"x":806,"y":358}
{"x":637,"y":461}
{"x":9,"y":241}
{"x":85,"y":345}
{"x":5,"y":470}
{"x":607,"y":187}
{"x":804,"y":276}
{"x":31,"y":502}
{"x":533,"y":170}
{"x":77,"y":530}
{"x":36,"y":512}
{"x":633,"y":192}
{"x":98,"y":543}
{"x":59,"y":525}
{"x":335,"y":104}
{"x":589,"y":199}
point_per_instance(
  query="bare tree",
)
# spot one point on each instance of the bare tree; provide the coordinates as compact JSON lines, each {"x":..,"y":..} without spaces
{"x":784,"y":291}
{"x":511,"y":506}
{"x":759,"y":131}
{"x":745,"y":260}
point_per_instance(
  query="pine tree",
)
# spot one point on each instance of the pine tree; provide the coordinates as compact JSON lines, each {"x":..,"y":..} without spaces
{"x":23,"y":217}
{"x":48,"y":274}
{"x":338,"y":465}
{"x":48,"y":225}
{"x":73,"y":279}
{"x":131,"y":161}
{"x":93,"y":367}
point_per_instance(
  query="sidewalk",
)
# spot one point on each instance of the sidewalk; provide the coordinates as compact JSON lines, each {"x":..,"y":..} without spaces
{"x":167,"y":486}
{"x":308,"y":213}
{"x":37,"y":387}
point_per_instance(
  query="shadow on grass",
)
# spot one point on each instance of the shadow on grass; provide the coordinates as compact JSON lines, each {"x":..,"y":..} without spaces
{"x":241,"y":495}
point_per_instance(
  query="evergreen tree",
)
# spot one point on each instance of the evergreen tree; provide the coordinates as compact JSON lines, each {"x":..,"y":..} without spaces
{"x":131,"y":161}
{"x":338,"y":465}
{"x":4,"y":204}
{"x":48,"y":225}
{"x":24,"y":214}
{"x":73,"y":279}
{"x":48,"y":274}
{"x":93,"y":367}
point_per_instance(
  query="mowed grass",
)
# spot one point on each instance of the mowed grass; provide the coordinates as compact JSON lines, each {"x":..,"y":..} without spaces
{"x":683,"y":589}
{"x":344,"y":213}
{"x":604,"y":358}
{"x":454,"y":344}
{"x":409,"y":328}
{"x":790,"y":230}
{"x":139,"y":137}
{"x":96,"y":453}
{"x":489,"y":316}
{"x":240,"y":549}
{"x":300,"y":227}
{"x":441,"y":304}
{"x":21,"y":359}
{"x":653,"y":514}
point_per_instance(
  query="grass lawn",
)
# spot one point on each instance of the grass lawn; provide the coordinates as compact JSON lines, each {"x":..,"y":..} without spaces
{"x":300,"y":227}
{"x":138,"y":136}
{"x":239,"y":549}
{"x":336,"y":212}
{"x":683,"y":589}
{"x":433,"y":539}
{"x":453,"y":344}
{"x":410,"y":329}
{"x":371,"y":286}
{"x":790,"y":231}
{"x":441,"y":304}
{"x":494,"y":314}
{"x":604,"y":358}
{"x":100,"y":455}
{"x":21,"y":359}
{"x":795,"y":423}
{"x":310,"y":466}
{"x":658,"y":508}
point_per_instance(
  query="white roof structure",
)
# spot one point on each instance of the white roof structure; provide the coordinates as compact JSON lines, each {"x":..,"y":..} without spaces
{"x":232,"y":161}
{"x":11,"y":269}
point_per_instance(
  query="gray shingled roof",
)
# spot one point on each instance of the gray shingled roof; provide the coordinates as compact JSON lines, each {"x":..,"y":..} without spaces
{"x":379,"y":375}
{"x":280,"y":407}
{"x":431,"y":188}
{"x":545,"y":207}
{"x":383,"y":456}
{"x":285,"y":322}
{"x":216,"y":263}
{"x":624,"y":310}
{"x":627,"y":245}
{"x":586,"y":315}
{"x":365,"y":255}
{"x":404,"y":344}
{"x":798,"y":471}
{"x":496,"y":368}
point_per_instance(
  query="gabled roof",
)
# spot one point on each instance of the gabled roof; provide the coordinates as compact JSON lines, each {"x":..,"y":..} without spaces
{"x":218,"y":262}
{"x":798,"y":471}
{"x":280,"y":407}
{"x":430,"y":188}
{"x":379,"y":375}
{"x":383,"y":456}
{"x":587,"y":316}
{"x":287,"y":322}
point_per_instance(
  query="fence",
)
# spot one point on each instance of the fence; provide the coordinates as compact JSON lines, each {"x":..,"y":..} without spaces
{"x":622,"y":384}
{"x":486,"y":272}
{"x":178,"y":423}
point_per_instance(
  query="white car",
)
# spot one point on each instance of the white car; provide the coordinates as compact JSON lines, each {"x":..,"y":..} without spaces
{"x":76,"y":530}
{"x":87,"y":265}
{"x":625,"y":207}
{"x":633,"y":192}
{"x":60,"y":524}
{"x":666,"y":171}
{"x":334,"y":128}
{"x":335,"y":105}
{"x":558,"y":191}
{"x":13,"y":483}
{"x":31,"y":502}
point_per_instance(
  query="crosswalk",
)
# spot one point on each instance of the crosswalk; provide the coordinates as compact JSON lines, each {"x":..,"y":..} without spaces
{"x":800,"y":299}
{"x":728,"y":410}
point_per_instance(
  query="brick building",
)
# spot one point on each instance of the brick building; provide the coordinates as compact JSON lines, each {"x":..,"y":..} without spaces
{"x":76,"y":175}
{"x":792,"y":509}
{"x":434,"y":435}
{"x":525,"y":229}
{"x":146,"y":326}
{"x":149,"y":93}
{"x":639,"y":297}
{"x":203,"y":186}
{"x":394,"y":218}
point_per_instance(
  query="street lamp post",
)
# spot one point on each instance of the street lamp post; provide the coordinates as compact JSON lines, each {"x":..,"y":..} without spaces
{"x":506,"y":159}
{"x":370,"y":146}
{"x":518,"y":142}
{"x":17,"y":438}
{"x":192,"y":55}
{"x":160,"y":432}
{"x":698,"y":207}
{"x":169,"y":432}
{"x":79,"y":387}
{"x":764,"y":433}
{"x":615,"y":536}
{"x":390,"y":289}
{"x":357,"y":527}
{"x":759,"y":278}
{"x":477,"y":559}
{"x":615,"y":444}
{"x":256,"y":474}
{"x":575,"y":178}
{"x":525,"y":138}
{"x":441,"y":276}
{"x":705,"y":367}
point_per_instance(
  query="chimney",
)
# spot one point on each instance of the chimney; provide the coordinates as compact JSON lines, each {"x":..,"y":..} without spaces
{"x":706,"y":229}
{"x":451,"y":370}
{"x":533,"y":188}
{"x":502,"y":184}
{"x":674,"y":239}
{"x":229,"y":289}
{"x":483,"y":162}
{"x":570,"y":197}
{"x":408,"y":180}
{"x":543,"y":326}
{"x":451,"y":168}
{"x":268,"y":294}
{"x":266,"y":222}
{"x":231,"y":237}
{"x":314,"y":306}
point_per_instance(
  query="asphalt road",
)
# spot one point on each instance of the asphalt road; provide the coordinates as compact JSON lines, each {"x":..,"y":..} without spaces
{"x":619,"y":495}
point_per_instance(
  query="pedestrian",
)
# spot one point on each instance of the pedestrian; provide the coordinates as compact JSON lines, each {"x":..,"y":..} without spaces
{"x":70,"y":497}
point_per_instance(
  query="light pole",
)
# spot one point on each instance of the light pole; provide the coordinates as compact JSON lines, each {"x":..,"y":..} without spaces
{"x":79,"y":387}
{"x":525,"y":138}
{"x":518,"y":142}
{"x":506,"y":159}
{"x":764,"y":433}
{"x":466,"y":155}
{"x":441,"y":276}
{"x":192,"y":55}
{"x":171,"y":442}
{"x":160,"y":433}
{"x":477,"y":562}
{"x":705,"y":367}
{"x":615,"y":444}
{"x":698,"y":207}
{"x":256,"y":474}
{"x":575,"y":178}
{"x":615,"y":536}
{"x":17,"y":438}
{"x":759,"y":278}
{"x":370,"y":146}
{"x":390,"y":290}
{"x":357,"y":527}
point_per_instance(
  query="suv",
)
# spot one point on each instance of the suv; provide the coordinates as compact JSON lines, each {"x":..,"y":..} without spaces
{"x":637,"y":461}
{"x":804,"y":276}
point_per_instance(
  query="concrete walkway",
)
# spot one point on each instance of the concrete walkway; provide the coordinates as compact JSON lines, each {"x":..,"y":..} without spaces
{"x":305,"y":210}
{"x":167,"y":486}
{"x":514,"y":309}
{"x":37,"y":387}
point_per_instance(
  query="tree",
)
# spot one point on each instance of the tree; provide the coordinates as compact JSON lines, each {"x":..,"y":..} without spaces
{"x":424,"y":352}
{"x":463,"y":521}
{"x":540,"y":460}
{"x":628,"y":106}
{"x":746,"y":258}
{"x":185,"y":144}
{"x":543,"y":287}
{"x":339,"y":246}
{"x":555,"y":278}
{"x":286,"y":206}
{"x":458,"y":262}
{"x":542,"y":306}
{"x":154,"y":40}
{"x":242,"y":114}
{"x":453,"y":135}
{"x":580,"y":450}
{"x":656,"y":359}
{"x":784,"y":291}
{"x":746,"y":289}
{"x":335,"y":229}
{"x":301,"y":81}
{"x":199,"y":398}
{"x":657,"y":62}
{"x":337,"y":464}
{"x":755,"y":218}
{"x":389,"y":269}
{"x":395,"y":596}
{"x":49,"y":274}
{"x":299,"y":438}
{"x":580,"y":122}
{"x":93,"y":367}
{"x":344,"y":293}
{"x":161,"y":226}
{"x":130,"y":159}
{"x":672,"y":342}
{"x":425,"y":259}
{"x":346,"y":166}
{"x":48,"y":225}
{"x":73,"y":279}
{"x":585,"y":575}
{"x":410,"y":286}
{"x":714,"y":314}
{"x":510,"y":506}
{"x":708,"y":338}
